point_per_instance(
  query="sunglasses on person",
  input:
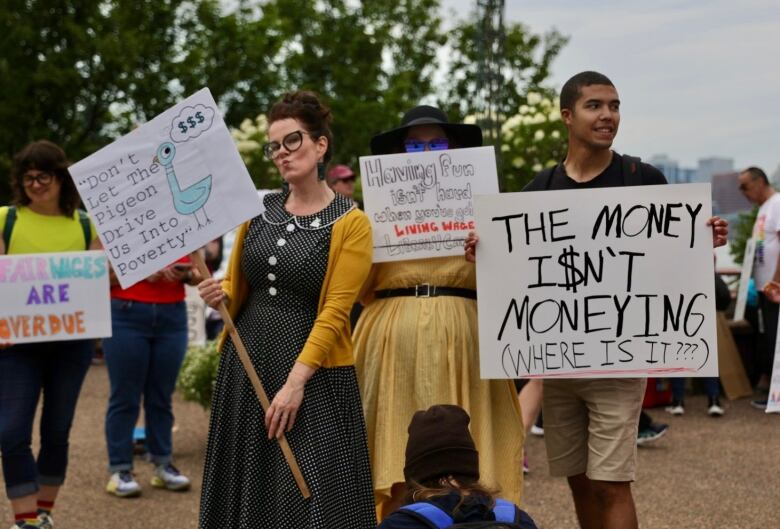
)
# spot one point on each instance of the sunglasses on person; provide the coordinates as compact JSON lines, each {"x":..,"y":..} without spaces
{"x":436,"y":144}
{"x":292,"y":142}
{"x":44,"y":178}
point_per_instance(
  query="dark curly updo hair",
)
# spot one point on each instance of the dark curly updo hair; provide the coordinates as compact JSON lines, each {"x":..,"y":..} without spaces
{"x":307,"y":108}
{"x":44,"y":155}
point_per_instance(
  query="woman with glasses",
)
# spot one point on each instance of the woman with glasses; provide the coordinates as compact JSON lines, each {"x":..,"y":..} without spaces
{"x":43,"y":218}
{"x":294,"y":273}
{"x":413,"y":351}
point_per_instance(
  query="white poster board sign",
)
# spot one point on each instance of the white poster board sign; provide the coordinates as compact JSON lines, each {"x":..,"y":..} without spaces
{"x":422,"y":204}
{"x":53,"y":297}
{"x":166,"y":189}
{"x":744,"y":279}
{"x":597,"y":283}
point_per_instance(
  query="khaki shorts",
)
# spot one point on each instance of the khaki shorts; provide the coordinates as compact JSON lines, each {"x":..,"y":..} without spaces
{"x":590,"y":426}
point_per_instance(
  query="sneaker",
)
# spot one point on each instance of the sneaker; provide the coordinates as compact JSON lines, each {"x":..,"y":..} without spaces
{"x":715,"y":409}
{"x":651,"y":434}
{"x":677,"y":408}
{"x":45,"y":521}
{"x":169,"y":477}
{"x":537,"y":430}
{"x":526,"y":469}
{"x":759,"y":403}
{"x":123,"y":484}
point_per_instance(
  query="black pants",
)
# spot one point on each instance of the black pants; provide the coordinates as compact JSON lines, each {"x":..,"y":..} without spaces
{"x":768,"y":313}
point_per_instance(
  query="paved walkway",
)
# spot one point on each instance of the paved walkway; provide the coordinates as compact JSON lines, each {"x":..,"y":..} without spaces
{"x":705,"y":473}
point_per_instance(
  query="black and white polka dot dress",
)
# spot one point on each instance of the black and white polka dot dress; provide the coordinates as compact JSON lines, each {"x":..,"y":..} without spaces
{"x":247,"y":482}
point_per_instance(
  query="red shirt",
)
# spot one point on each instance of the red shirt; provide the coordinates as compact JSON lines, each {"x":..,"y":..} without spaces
{"x":160,"y":291}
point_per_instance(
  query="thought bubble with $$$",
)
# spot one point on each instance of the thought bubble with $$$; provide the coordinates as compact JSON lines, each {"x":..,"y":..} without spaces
{"x":191,"y":122}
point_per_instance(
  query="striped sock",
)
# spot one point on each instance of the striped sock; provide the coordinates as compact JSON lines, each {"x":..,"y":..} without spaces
{"x":45,"y":507}
{"x":30,"y":518}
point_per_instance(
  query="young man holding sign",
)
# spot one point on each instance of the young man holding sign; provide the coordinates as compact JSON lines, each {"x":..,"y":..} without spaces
{"x":591,"y":423}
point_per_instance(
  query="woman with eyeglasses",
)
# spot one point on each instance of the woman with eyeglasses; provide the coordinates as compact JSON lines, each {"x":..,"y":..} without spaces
{"x":42,"y":219}
{"x":416,"y":343}
{"x":294,"y":273}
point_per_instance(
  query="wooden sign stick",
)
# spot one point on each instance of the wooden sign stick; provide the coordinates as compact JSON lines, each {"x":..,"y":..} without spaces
{"x":243,"y":355}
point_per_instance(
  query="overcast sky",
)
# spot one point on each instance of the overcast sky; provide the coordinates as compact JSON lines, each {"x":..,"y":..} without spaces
{"x":696,"y":78}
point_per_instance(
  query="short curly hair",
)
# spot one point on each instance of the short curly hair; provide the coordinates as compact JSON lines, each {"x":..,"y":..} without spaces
{"x":43,"y":155}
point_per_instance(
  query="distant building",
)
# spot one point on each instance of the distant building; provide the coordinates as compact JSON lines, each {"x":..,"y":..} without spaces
{"x":709,"y":167}
{"x":671,"y":169}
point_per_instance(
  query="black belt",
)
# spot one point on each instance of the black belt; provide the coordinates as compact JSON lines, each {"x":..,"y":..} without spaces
{"x":427,"y":291}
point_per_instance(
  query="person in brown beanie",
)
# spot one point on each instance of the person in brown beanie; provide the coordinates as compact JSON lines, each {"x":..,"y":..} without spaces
{"x":442,"y":478}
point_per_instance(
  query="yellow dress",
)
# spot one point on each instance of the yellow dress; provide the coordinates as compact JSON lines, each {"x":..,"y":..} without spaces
{"x":412,"y":353}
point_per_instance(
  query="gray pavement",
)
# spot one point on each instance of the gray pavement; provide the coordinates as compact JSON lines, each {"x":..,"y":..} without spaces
{"x":705,"y":473}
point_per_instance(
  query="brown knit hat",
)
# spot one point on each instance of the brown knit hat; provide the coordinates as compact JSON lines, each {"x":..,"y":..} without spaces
{"x":440,"y":445}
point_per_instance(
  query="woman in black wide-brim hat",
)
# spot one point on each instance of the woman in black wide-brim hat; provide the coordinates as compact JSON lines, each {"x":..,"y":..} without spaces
{"x":414,"y":351}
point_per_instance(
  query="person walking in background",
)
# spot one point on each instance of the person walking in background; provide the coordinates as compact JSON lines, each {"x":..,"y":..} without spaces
{"x":143,"y":357}
{"x":754,"y":184}
{"x":416,"y":343}
{"x":711,"y":384}
{"x":442,"y":478}
{"x":294,"y":273}
{"x":43,"y":218}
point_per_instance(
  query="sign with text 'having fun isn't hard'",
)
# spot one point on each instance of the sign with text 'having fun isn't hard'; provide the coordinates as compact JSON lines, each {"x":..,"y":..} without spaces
{"x":166,"y":189}
{"x":53,"y":297}
{"x":422,"y":204}
{"x":597,"y":283}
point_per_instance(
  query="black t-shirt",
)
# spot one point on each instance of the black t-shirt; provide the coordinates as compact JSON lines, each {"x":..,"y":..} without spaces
{"x":612,"y":176}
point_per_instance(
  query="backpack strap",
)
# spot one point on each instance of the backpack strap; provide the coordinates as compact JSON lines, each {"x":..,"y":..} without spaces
{"x":10,"y":220}
{"x":504,"y":511}
{"x":86,"y":228}
{"x":632,"y":171}
{"x":428,"y":513}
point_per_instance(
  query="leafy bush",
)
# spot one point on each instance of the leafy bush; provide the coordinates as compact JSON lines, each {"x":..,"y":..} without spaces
{"x":198,"y":373}
{"x":741,"y":231}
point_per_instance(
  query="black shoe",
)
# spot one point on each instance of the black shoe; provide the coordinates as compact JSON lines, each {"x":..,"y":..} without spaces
{"x":651,"y":434}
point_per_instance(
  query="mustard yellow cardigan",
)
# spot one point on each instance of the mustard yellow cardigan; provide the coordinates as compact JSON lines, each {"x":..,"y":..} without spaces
{"x":349,"y":261}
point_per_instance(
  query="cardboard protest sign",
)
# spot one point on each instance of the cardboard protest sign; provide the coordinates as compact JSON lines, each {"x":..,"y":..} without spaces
{"x":166,"y":189}
{"x":744,"y":279}
{"x":54,"y":296}
{"x":422,"y":204}
{"x":615,"y":282}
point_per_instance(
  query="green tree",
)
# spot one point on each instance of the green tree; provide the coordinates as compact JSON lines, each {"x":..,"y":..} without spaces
{"x":740,"y":232}
{"x":531,"y":140}
{"x":525,"y":67}
{"x":82,"y":73}
{"x":340,"y":49}
{"x":524,"y":71}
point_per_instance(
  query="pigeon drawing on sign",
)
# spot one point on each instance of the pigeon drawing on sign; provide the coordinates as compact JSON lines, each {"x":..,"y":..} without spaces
{"x":188,"y":201}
